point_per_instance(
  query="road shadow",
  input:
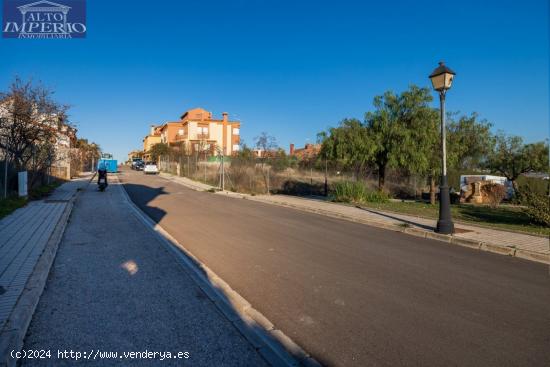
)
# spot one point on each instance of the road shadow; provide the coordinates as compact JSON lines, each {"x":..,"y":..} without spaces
{"x":142,"y":196}
{"x":211,"y":287}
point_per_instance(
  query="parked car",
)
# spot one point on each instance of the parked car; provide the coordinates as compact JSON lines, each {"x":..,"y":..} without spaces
{"x":150,"y":167}
{"x":136,"y":162}
{"x":138,"y":166}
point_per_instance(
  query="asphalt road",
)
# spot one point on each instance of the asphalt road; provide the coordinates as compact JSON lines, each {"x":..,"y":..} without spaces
{"x":355,"y":295}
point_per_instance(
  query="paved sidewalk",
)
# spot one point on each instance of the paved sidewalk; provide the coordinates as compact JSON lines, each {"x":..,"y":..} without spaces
{"x":114,"y":287}
{"x":23,"y":237}
{"x":508,"y":243}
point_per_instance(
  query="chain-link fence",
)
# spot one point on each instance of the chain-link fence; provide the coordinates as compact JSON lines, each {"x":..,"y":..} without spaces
{"x":286,"y":175}
{"x":35,"y":178}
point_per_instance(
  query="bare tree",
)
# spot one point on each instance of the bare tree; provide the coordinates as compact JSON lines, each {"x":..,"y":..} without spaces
{"x":265,"y":144}
{"x":30,"y":122}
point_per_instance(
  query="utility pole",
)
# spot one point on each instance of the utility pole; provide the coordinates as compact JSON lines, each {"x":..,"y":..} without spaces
{"x":223,"y":172}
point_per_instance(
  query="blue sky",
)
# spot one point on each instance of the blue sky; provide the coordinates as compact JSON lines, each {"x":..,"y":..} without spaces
{"x":290,"y":68}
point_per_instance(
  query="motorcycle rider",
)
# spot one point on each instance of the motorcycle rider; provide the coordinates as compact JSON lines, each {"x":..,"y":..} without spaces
{"x":102,"y":173}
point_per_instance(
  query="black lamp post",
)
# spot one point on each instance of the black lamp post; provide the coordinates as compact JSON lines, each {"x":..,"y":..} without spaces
{"x":442,"y":79}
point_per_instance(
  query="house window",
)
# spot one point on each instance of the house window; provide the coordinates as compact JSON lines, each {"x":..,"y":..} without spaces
{"x":236,"y":147}
{"x":236,"y":131}
{"x":180,"y":132}
{"x":203,"y":130}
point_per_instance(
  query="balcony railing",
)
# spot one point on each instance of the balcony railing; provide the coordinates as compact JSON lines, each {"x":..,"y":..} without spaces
{"x":181,"y":137}
{"x":203,"y":136}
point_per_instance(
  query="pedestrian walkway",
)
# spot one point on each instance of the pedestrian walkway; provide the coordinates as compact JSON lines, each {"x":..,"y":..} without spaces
{"x":115,"y":292}
{"x":504,"y":238}
{"x":527,"y":246}
{"x":23,"y":238}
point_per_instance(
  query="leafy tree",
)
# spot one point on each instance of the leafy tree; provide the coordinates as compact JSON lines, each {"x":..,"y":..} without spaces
{"x":158,"y":150}
{"x":89,"y":153}
{"x":511,"y":157}
{"x":282,"y":161}
{"x":402,"y":132}
{"x":469,"y":141}
{"x":348,"y":144}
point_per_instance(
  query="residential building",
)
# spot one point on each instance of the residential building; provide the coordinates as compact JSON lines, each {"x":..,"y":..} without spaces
{"x":65,"y":163}
{"x":40,"y":127}
{"x":153,"y":138}
{"x":134,"y":154}
{"x":261,"y":153}
{"x":198,"y":132}
{"x":309,"y":151}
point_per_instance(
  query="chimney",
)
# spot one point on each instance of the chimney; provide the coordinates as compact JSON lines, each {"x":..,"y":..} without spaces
{"x":224,"y":114}
{"x":291,"y":152}
{"x":152,"y":130}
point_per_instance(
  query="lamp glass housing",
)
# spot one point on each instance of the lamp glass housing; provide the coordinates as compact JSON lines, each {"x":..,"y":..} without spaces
{"x":442,"y":77}
{"x":442,"y":81}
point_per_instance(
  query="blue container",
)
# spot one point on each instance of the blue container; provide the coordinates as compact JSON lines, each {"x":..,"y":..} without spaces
{"x":111,"y":165}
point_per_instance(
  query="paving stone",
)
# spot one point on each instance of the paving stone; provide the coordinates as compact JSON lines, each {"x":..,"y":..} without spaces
{"x":23,"y":236}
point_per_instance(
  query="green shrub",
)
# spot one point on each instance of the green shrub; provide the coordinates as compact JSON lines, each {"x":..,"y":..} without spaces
{"x":9,"y":204}
{"x":43,"y":191}
{"x":375,"y":196}
{"x":358,"y":192}
{"x":537,"y":207}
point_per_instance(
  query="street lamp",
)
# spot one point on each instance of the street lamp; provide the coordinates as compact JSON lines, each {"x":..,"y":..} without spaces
{"x":442,"y":79}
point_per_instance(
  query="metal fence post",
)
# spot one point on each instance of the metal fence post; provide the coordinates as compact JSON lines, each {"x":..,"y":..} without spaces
{"x":5,"y":175}
{"x":326,"y":178}
{"x":268,"y":172}
{"x":223,"y":174}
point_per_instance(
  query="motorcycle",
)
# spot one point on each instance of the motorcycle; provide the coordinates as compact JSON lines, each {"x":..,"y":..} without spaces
{"x":102,"y":184}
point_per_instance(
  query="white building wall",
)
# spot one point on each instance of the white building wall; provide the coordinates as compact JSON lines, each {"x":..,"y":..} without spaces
{"x":228,"y":144}
{"x":216,"y":133}
{"x":192,"y":130}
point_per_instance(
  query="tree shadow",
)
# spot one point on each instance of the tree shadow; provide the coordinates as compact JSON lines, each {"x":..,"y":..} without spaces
{"x":494,"y":215}
{"x":431,"y":228}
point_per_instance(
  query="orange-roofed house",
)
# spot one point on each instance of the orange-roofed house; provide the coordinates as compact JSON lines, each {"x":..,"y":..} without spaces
{"x":151,"y":139}
{"x":197,"y":131}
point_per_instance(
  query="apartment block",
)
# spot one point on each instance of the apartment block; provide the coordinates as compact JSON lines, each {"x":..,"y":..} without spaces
{"x":197,"y":132}
{"x":154,"y":137}
{"x":309,"y":151}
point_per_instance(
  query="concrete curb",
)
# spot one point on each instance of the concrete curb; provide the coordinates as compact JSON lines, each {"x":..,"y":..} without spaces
{"x":13,"y":334}
{"x":274,"y":346}
{"x":414,"y":231}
